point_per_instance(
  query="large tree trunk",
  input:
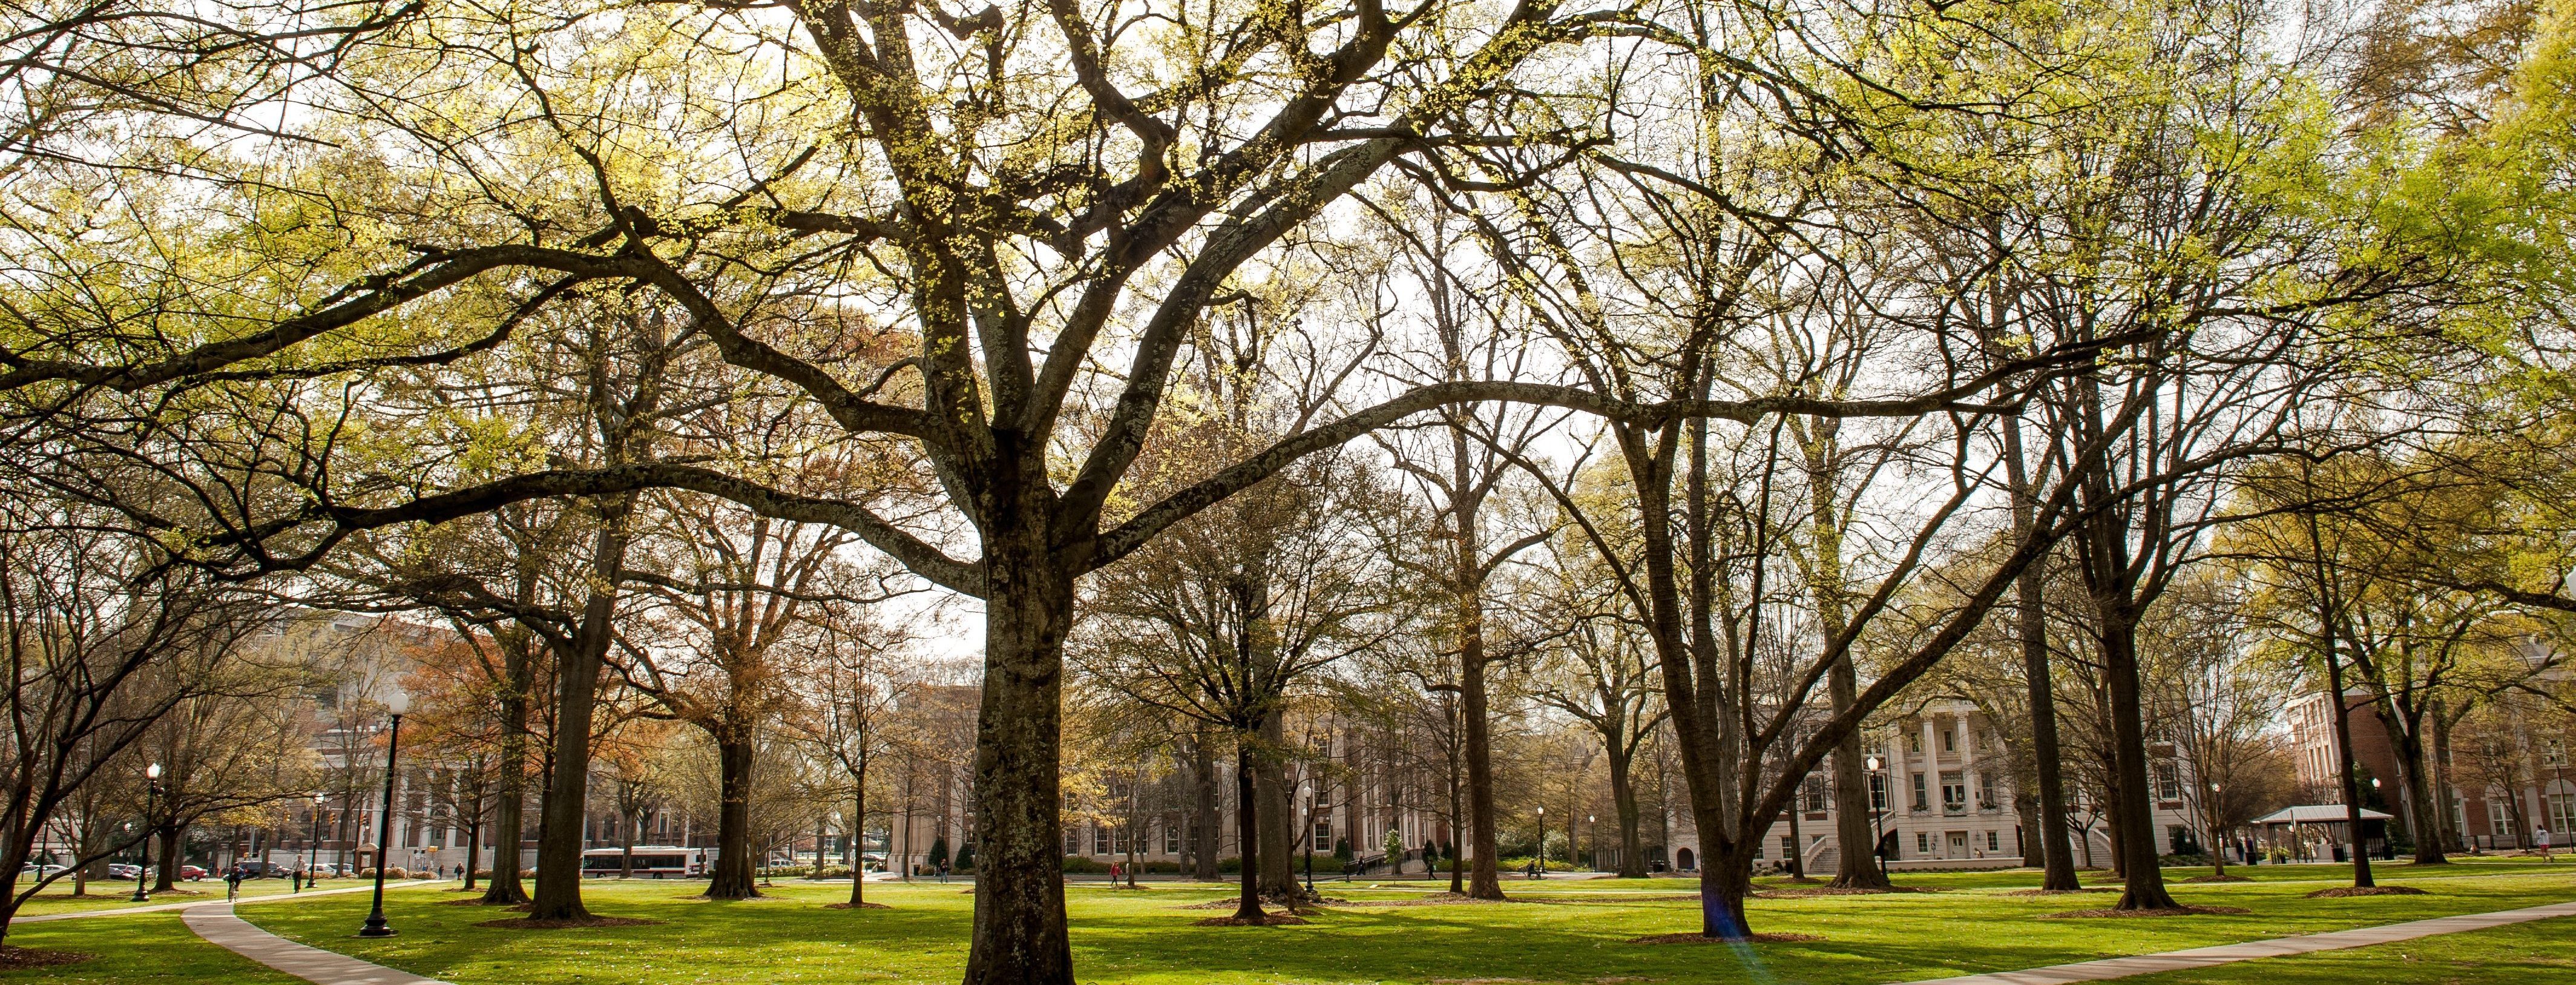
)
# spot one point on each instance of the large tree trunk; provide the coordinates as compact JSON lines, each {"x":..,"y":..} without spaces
{"x":1483,"y":881}
{"x":2348,"y":777}
{"x":1623,"y":802}
{"x":509,"y":810}
{"x":2414,"y":774}
{"x":1203,"y":850}
{"x":1019,"y":934}
{"x":164,"y":875}
{"x":857,"y":832}
{"x":2141,"y":868}
{"x":736,"y":869}
{"x":2027,"y":806}
{"x":558,"y":895}
{"x":2050,"y":837}
{"x":1852,"y":810}
{"x":1278,"y":877}
{"x":1247,"y":832}
{"x":473,"y":849}
{"x":1854,"y":866}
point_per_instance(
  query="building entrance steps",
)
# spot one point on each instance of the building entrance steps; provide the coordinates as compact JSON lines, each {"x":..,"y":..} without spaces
{"x":2204,"y":957}
{"x":216,"y":923}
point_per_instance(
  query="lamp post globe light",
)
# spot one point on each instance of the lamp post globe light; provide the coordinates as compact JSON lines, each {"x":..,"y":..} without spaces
{"x":1878,"y":838}
{"x":152,"y":776}
{"x":395,"y":706}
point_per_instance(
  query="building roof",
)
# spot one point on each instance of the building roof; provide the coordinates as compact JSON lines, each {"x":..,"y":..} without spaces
{"x":2317,"y":814}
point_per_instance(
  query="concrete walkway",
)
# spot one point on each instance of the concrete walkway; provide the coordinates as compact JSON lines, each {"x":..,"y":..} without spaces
{"x":2204,"y":957}
{"x":216,"y":922}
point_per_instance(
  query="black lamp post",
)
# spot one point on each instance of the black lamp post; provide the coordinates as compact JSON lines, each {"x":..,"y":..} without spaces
{"x":375,"y":927}
{"x":1878,"y":839}
{"x":1541,"y":851}
{"x":313,"y":845}
{"x":142,"y":890}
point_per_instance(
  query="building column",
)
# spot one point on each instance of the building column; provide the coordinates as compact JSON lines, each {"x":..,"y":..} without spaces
{"x":1931,"y":765}
{"x":1968,"y":779}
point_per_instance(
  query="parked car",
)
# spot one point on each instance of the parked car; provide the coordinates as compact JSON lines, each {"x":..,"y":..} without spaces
{"x":122,"y":871}
{"x":40,"y":871}
{"x":191,"y":873}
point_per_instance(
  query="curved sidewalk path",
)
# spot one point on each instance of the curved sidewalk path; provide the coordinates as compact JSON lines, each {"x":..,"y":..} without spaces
{"x":216,"y":923}
{"x":2204,"y":957}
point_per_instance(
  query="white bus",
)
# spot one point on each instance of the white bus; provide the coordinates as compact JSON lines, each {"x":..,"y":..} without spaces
{"x":651,"y":861}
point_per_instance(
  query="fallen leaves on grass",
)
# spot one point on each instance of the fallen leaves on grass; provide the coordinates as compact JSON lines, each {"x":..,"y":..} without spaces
{"x":525,"y":923}
{"x":2061,"y":892}
{"x":2215,"y":878}
{"x":856,"y":906}
{"x":1434,"y":899}
{"x":1705,"y":939}
{"x":1264,"y":920}
{"x":2177,"y":911}
{"x":13,"y":957}
{"x":2340,"y":892}
{"x":1805,"y":891}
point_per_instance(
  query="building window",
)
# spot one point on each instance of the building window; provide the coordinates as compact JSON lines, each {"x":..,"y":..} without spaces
{"x":1073,"y":841}
{"x":1100,"y":841}
{"x":1921,"y":802}
{"x":1949,"y":740}
{"x":1954,"y":792}
{"x":1878,"y":791}
{"x":1118,"y":840}
{"x":1914,"y":743}
{"x":1813,"y":792}
{"x":2562,"y":815}
{"x":1994,"y":843}
{"x":1323,"y":836}
{"x":1986,"y":791}
{"x":1171,"y":839}
{"x":1923,"y":843}
{"x":2168,"y":781}
{"x":2557,"y":753}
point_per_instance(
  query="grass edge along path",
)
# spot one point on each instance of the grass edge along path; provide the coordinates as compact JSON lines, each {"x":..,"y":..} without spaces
{"x":2206,"y":957}
{"x":1136,"y":937}
{"x":216,"y":923}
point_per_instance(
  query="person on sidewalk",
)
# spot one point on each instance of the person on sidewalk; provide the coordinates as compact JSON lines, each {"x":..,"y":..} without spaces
{"x":232,"y":884}
{"x":2540,"y":839}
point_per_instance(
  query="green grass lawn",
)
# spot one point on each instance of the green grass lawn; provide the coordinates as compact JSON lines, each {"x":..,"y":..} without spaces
{"x":1574,"y":931}
{"x":58,"y":897}
{"x":144,"y":947}
{"x":1579,"y":934}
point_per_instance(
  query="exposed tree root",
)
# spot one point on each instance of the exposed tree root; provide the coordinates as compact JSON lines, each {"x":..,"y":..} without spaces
{"x":2340,"y":892}
{"x":1705,"y":939}
{"x":2176,"y":911}
{"x":1265,"y":920}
